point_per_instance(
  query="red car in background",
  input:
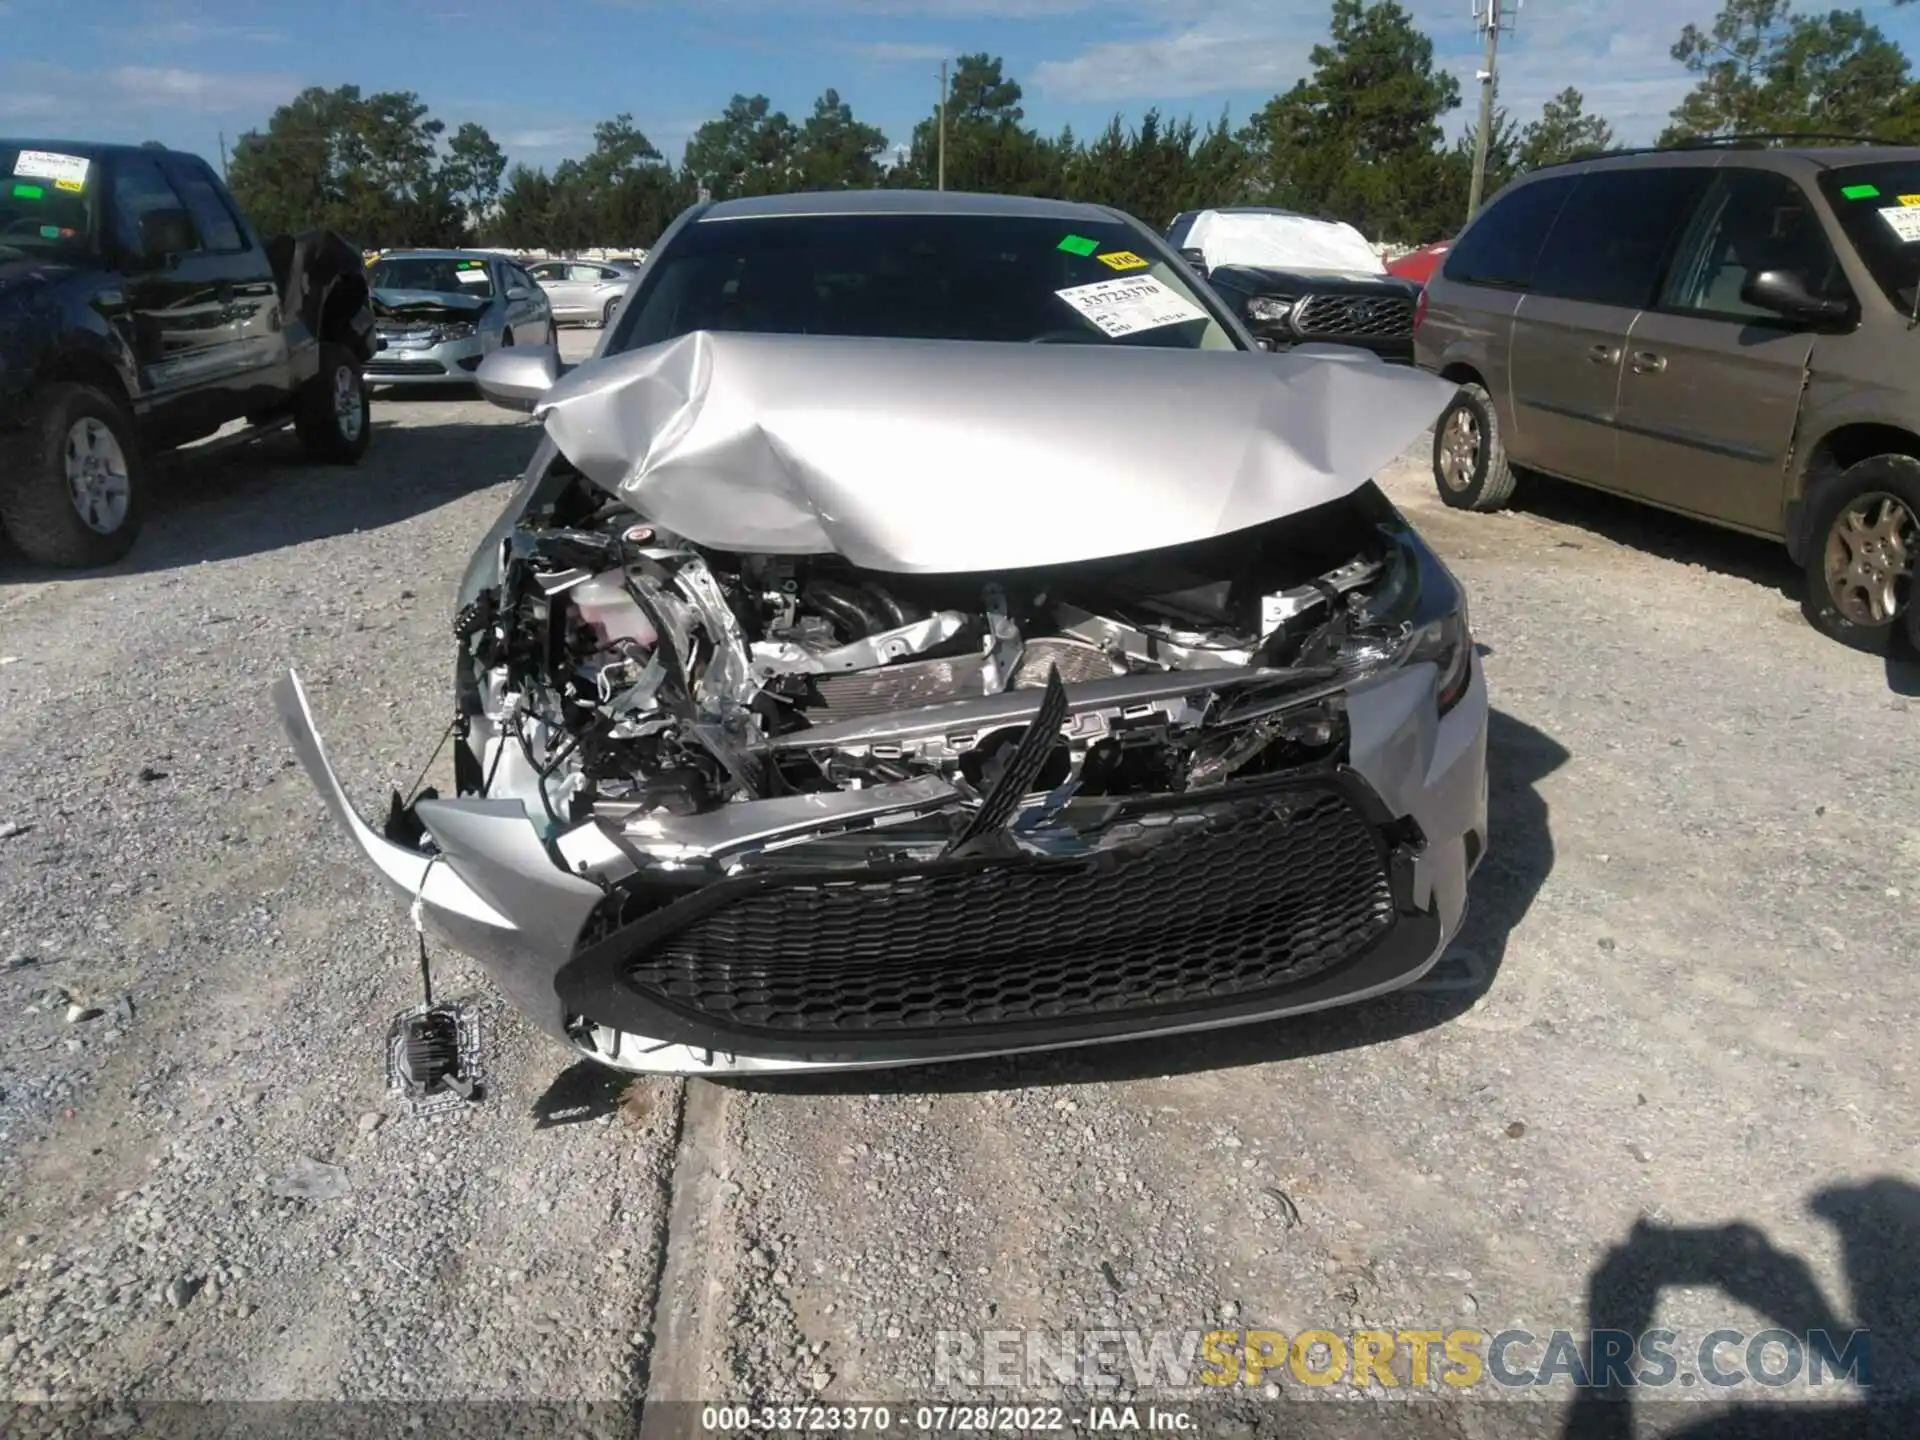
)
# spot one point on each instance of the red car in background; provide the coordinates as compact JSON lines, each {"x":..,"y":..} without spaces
{"x":1419,"y":265}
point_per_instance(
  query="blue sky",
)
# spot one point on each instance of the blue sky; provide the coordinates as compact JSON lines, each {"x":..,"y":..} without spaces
{"x":539,"y":73}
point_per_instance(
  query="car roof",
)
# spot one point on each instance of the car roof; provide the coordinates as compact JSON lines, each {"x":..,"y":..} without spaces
{"x":1766,"y":157}
{"x":91,"y":149}
{"x":448,"y":255}
{"x":903,"y":202}
{"x":1251,"y":210}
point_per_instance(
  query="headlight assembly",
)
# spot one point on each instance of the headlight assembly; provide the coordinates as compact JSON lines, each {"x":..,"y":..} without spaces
{"x":1418,"y":614}
{"x":455,"y":330}
{"x":1446,"y":641}
{"x":1268,"y":310}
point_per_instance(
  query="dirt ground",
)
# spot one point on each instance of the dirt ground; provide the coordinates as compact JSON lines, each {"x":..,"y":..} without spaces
{"x":1664,"y":1078}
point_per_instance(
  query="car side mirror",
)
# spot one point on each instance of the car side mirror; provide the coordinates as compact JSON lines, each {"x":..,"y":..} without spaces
{"x":516,"y":378}
{"x":1196,"y":258}
{"x":519,"y":292}
{"x":1785,"y":293}
{"x":165,"y":233}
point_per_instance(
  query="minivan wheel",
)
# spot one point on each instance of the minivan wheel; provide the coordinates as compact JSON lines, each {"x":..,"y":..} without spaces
{"x":1866,"y":541}
{"x":1470,"y":466}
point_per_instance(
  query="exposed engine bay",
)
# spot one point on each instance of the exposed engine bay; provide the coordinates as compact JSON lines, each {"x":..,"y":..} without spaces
{"x":704,"y":707}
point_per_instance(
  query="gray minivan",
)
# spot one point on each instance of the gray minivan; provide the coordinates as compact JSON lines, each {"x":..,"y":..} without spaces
{"x":1726,"y":331}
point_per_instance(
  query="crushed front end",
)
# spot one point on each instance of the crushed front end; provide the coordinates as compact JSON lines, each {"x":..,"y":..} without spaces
{"x":730,"y":809}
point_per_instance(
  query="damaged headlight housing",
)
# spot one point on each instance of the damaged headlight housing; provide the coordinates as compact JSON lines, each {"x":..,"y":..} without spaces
{"x":1419,"y":614}
{"x":454,"y":330}
{"x":1269,"y":309}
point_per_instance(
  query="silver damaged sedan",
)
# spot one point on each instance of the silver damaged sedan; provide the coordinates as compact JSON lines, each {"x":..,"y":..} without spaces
{"x":439,"y":313}
{"x":930,"y":627}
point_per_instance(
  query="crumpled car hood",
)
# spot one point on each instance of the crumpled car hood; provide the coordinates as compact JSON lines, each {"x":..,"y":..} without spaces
{"x":429,"y":302}
{"x":936,"y":457}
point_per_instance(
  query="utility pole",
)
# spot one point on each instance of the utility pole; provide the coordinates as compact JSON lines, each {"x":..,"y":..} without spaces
{"x":1492,"y":16}
{"x":943,"y":127}
{"x":223,"y":157}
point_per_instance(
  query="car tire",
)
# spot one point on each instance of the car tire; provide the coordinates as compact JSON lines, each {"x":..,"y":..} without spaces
{"x":333,"y":416}
{"x":73,"y":483}
{"x":1863,"y":552}
{"x":1470,"y":467}
{"x":606,"y":315}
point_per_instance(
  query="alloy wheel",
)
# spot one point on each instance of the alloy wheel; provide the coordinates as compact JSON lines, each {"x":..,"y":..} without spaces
{"x":1460,"y":449}
{"x":349,"y":409}
{"x":1869,"y":560}
{"x":97,"y":476}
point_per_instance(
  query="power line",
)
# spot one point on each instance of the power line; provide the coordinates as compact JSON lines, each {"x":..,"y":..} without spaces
{"x":1491,"y":16}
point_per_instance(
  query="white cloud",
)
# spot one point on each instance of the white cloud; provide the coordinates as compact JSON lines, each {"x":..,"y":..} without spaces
{"x":175,"y":33}
{"x":1227,"y":52}
{"x":1614,"y":51}
{"x":901,"y":9}
{"x":78,"y":100}
{"x":889,"y":51}
{"x":550,"y":137}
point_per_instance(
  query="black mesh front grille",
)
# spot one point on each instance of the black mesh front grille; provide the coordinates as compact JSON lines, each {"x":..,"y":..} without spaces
{"x":378,"y":366}
{"x":1373,"y":317}
{"x":1261,"y":897}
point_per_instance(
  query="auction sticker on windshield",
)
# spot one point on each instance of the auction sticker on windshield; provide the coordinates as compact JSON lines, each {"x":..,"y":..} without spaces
{"x":1905,"y":220}
{"x":50,"y":165}
{"x":1126,"y":307}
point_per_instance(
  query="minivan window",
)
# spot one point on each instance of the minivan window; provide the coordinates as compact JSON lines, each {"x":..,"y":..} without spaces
{"x":1870,"y":199}
{"x":1500,"y":247}
{"x":1751,"y":220}
{"x":1613,"y":236}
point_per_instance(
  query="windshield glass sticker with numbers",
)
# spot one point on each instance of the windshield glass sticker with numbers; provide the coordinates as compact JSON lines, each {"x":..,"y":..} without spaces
{"x":51,"y":165}
{"x":1126,"y":307}
{"x":1905,"y":222}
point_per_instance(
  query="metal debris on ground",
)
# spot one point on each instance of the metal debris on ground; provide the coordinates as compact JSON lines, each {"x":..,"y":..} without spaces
{"x":433,"y":1058}
{"x":310,"y":1179}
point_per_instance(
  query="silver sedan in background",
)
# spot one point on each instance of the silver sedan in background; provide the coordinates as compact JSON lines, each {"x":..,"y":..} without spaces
{"x":438,"y":313}
{"x":585,"y":291}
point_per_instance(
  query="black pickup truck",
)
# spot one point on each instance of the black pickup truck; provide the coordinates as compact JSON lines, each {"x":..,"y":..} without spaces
{"x":139,"y":312}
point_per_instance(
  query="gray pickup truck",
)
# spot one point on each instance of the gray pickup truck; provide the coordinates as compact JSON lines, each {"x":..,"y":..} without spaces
{"x":139,"y":312}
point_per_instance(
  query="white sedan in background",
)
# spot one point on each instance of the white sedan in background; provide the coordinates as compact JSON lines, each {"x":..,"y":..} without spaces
{"x":585,"y":291}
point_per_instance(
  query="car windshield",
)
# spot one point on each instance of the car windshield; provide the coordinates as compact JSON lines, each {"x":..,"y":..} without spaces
{"x":47,"y":205}
{"x":1879,"y":208}
{"x":921,"y":277}
{"x":436,"y":274}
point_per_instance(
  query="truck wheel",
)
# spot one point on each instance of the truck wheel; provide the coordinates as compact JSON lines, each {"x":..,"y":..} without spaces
{"x":1469,"y":463}
{"x":1864,"y":548}
{"x":332,"y":420}
{"x":73,"y":484}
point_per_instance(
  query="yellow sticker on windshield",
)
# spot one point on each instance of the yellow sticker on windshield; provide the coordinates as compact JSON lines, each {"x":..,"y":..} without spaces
{"x":74,"y":187}
{"x":1910,"y":200}
{"x":1123,"y":260}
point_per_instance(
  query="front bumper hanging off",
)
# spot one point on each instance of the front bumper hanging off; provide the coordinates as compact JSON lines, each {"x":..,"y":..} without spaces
{"x":1275,"y":897}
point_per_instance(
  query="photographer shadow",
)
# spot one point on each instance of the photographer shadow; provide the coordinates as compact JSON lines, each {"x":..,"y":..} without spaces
{"x":1879,"y":1227}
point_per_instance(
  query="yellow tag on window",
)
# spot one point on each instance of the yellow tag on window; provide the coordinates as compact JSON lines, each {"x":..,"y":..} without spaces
{"x":1123,"y":260}
{"x":74,"y":187}
{"x":1910,"y":199}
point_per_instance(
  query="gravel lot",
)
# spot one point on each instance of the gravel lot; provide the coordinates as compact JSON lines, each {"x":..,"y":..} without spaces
{"x":1683,"y":1003}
